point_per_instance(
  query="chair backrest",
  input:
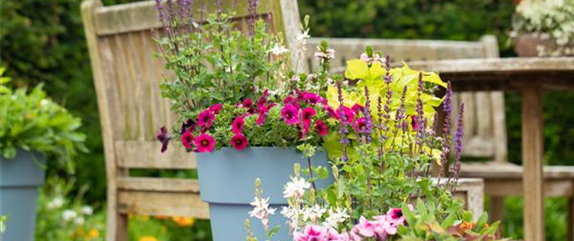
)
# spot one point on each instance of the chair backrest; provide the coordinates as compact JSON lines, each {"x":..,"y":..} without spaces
{"x":484,"y":117}
{"x":127,"y":79}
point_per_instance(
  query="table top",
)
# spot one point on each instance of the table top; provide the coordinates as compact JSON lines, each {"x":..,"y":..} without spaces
{"x":502,"y":73}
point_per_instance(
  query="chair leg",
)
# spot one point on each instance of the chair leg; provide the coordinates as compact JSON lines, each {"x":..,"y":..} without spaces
{"x":116,"y":225}
{"x":496,"y":210}
{"x":571,"y":218}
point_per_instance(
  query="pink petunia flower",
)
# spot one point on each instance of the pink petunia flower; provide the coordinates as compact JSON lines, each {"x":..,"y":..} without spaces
{"x":215,"y":109}
{"x":307,"y":114}
{"x":289,"y":100}
{"x":163,"y":137}
{"x":333,"y":235}
{"x":321,"y":128}
{"x":331,"y":112}
{"x":248,"y":104}
{"x":349,"y":114}
{"x":239,"y":142}
{"x":205,"y":119}
{"x":187,"y":139}
{"x":311,"y":233}
{"x":312,"y":98}
{"x":357,"y":108}
{"x":364,"y":228}
{"x":237,"y":125}
{"x":414,"y":124}
{"x":290,"y":114}
{"x":204,"y":143}
{"x":395,"y":215}
{"x":360,"y":125}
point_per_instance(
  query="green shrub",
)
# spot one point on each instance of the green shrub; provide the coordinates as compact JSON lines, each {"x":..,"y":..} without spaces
{"x":33,"y":122}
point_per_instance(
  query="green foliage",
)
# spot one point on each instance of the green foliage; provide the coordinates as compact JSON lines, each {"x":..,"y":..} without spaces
{"x":410,"y":19}
{"x":2,"y":223}
{"x":230,"y":67}
{"x":424,"y":225}
{"x":64,"y":217}
{"x":32,"y":122}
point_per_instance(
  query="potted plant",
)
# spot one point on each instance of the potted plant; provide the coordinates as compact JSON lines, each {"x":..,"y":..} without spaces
{"x":33,"y":128}
{"x":242,"y":110}
{"x":544,"y":28}
{"x":383,"y":189}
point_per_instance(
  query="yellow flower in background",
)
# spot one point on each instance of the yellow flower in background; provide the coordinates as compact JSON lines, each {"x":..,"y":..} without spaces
{"x":161,"y":217}
{"x":93,"y":233}
{"x":183,"y":221}
{"x":148,"y":238}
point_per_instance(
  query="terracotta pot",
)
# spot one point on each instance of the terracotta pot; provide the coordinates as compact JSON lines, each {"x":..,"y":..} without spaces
{"x":526,"y":45}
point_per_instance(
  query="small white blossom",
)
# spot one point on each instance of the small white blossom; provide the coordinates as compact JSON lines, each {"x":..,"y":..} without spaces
{"x":314,"y":213}
{"x":279,"y":50}
{"x":296,"y":188}
{"x":55,"y":203}
{"x":328,"y":54}
{"x":87,"y":210}
{"x":261,"y":208}
{"x":68,"y":215}
{"x":336,"y":216}
{"x":79,"y":221}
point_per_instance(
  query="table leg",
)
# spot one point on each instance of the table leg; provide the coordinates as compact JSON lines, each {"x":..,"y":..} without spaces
{"x":532,"y":154}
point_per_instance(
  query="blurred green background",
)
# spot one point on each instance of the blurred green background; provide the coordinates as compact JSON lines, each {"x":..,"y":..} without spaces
{"x":43,"y":41}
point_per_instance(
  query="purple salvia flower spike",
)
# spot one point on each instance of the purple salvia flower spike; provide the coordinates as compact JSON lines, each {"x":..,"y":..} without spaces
{"x":458,"y":139}
{"x":367,"y":111}
{"x":343,"y":121}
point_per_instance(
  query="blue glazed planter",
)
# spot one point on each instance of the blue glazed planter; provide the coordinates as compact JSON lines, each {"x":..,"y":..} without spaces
{"x":19,"y":181}
{"x":227,"y":183}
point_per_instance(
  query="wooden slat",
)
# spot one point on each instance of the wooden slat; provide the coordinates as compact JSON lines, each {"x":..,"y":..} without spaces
{"x":493,"y":170}
{"x":162,"y":203}
{"x":140,"y":16}
{"x":146,"y":154}
{"x":513,"y":187}
{"x":158,"y":184}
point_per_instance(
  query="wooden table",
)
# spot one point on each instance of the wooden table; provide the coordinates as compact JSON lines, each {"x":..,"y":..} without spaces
{"x":530,"y":76}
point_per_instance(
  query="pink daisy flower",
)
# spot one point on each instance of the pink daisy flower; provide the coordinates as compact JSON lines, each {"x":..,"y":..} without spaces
{"x":204,"y":143}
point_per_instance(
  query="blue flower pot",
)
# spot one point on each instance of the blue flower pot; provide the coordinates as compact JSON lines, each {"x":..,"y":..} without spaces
{"x":227,"y":183}
{"x":19,"y":181}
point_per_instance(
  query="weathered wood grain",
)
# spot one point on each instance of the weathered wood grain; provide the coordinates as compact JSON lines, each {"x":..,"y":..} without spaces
{"x":532,"y":154}
{"x":186,"y":204}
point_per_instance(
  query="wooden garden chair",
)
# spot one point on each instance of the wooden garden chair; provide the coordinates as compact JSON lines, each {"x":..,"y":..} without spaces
{"x":127,"y":79}
{"x":484,"y":120}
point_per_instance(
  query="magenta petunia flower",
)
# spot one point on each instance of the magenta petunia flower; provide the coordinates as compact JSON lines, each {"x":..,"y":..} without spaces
{"x":414,"y":124}
{"x":248,"y":104}
{"x":289,"y":100}
{"x":205,"y":119}
{"x":239,"y":142}
{"x":163,"y":137}
{"x":360,"y":125}
{"x":307,"y":114}
{"x":237,"y":125}
{"x":188,"y":124}
{"x":290,"y":114}
{"x":204,"y":143}
{"x":312,"y":98}
{"x":349,"y":114}
{"x":321,"y":128}
{"x":187,"y":139}
{"x":263,"y":113}
{"x":331,"y":112}
{"x":262,"y":102}
{"x":357,"y":108}
{"x":215,"y":109}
